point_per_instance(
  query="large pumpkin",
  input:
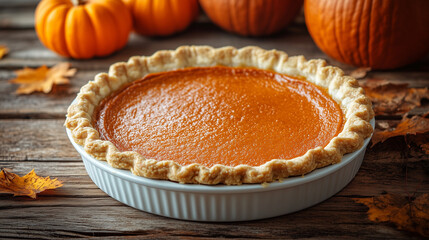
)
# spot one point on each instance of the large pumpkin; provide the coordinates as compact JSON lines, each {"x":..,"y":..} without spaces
{"x":381,"y":34}
{"x":162,"y":17}
{"x":83,"y":29}
{"x":252,"y":17}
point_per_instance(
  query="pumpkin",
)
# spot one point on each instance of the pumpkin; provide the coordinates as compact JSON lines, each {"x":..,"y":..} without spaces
{"x":83,"y":29}
{"x":162,"y":17}
{"x":252,"y":17}
{"x":381,"y":34}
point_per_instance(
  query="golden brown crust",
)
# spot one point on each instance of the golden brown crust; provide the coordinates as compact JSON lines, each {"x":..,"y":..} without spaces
{"x":343,"y":89}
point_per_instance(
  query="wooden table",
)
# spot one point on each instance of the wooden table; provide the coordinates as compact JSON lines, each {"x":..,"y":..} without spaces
{"x":32,"y":136}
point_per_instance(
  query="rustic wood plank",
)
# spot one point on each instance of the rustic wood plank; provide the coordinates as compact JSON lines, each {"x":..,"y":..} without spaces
{"x":17,"y":14}
{"x":39,"y":105}
{"x":44,"y":140}
{"x":112,"y":219}
{"x":19,"y":18}
{"x":18,"y":4}
{"x":106,"y":217}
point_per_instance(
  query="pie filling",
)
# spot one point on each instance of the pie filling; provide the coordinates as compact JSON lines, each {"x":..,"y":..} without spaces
{"x":219,"y":115}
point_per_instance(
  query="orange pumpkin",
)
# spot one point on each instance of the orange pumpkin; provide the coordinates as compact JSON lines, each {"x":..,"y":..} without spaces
{"x":83,"y":29}
{"x":162,"y":17}
{"x":380,"y":34}
{"x":252,"y":17}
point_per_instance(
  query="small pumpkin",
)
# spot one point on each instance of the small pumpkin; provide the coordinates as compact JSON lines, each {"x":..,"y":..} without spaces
{"x":252,"y":17}
{"x":162,"y":17}
{"x":381,"y":34}
{"x":83,"y":29}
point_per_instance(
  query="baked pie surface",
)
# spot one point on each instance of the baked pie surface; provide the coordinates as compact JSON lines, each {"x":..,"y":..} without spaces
{"x":220,"y":116}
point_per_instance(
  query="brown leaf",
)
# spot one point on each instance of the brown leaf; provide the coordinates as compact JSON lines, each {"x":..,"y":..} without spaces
{"x":391,"y":99}
{"x":42,"y":79}
{"x":381,"y":125}
{"x":360,"y":73}
{"x":408,"y":126}
{"x":3,"y":51}
{"x":425,"y":147}
{"x":421,"y":140}
{"x":28,"y":185}
{"x":406,"y":214}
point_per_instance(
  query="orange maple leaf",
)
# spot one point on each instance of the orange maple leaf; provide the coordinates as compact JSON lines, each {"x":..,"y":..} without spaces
{"x":28,"y":185}
{"x":43,"y":78}
{"x":391,"y":99}
{"x":406,"y":214}
{"x":417,"y":125}
{"x":3,"y":51}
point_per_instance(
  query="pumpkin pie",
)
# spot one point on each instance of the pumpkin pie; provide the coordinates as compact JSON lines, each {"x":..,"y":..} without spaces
{"x":220,"y":116}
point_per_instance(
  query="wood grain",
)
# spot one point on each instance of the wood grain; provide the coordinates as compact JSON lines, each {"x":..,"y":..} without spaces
{"x":32,"y":136}
{"x":43,"y":140}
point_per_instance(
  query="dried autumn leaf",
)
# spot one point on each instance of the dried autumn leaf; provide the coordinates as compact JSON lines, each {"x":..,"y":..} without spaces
{"x":382,"y":125}
{"x":3,"y":51}
{"x":406,"y":214}
{"x":390,"y":99}
{"x":360,"y":73}
{"x":421,"y":140}
{"x":425,"y":147}
{"x":43,"y":78}
{"x":408,"y":126}
{"x":28,"y":185}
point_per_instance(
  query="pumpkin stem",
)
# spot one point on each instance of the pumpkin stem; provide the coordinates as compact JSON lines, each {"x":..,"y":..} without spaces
{"x":79,"y":2}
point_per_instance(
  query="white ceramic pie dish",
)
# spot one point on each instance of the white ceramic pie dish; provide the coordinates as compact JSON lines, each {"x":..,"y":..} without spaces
{"x":222,"y":203}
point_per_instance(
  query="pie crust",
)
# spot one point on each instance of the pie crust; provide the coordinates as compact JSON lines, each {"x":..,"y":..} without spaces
{"x":345,"y":90}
